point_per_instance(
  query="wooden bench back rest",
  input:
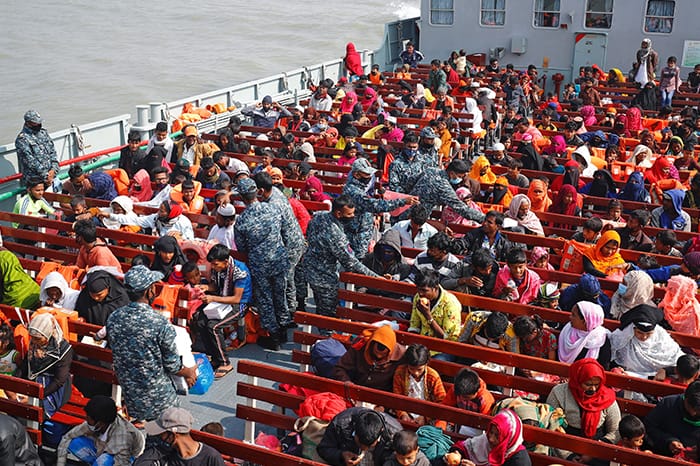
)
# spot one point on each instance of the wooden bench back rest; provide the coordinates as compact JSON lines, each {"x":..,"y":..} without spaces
{"x":436,"y":410}
{"x":488,"y":354}
{"x":477,"y":302}
{"x":450,"y":369}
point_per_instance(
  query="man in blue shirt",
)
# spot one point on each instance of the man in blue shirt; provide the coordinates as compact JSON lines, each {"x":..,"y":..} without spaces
{"x":231,"y":288}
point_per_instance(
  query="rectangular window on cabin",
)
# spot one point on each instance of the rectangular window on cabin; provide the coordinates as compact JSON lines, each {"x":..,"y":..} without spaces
{"x":659,"y":16}
{"x":493,"y":12}
{"x":442,"y":12}
{"x":599,"y":14}
{"x":547,"y":13}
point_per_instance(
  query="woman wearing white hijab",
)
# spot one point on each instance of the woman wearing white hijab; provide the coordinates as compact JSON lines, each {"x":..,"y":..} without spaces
{"x":583,"y":156}
{"x":120,"y":205}
{"x":472,"y":125}
{"x":640,"y":346}
{"x":636,"y":288}
{"x":641,"y":156}
{"x":56,"y":292}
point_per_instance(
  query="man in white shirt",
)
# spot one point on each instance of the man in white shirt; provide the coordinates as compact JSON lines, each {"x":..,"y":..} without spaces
{"x":223,"y":230}
{"x":416,"y":231}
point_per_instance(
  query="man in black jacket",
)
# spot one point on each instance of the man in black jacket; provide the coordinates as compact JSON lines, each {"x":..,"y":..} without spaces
{"x":488,"y":236}
{"x":674,"y":423}
{"x":632,"y":235}
{"x":356,"y":433}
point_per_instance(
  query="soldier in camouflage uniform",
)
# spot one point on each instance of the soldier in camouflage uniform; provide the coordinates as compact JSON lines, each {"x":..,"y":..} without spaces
{"x":36,"y":154}
{"x":328,"y":248}
{"x":292,"y":236}
{"x":258,"y":233}
{"x":359,"y":230}
{"x":408,"y":166}
{"x":435,"y":187}
{"x":144,"y":351}
{"x":426,"y":147}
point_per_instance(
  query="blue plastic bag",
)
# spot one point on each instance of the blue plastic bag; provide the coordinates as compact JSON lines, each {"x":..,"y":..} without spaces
{"x":205,"y":375}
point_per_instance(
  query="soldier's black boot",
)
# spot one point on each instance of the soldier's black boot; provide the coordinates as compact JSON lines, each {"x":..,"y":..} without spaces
{"x":271,"y":342}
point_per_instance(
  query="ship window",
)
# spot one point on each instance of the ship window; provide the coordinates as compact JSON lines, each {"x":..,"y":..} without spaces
{"x":493,"y":12}
{"x":442,"y":12}
{"x":659,"y":17}
{"x":547,"y":13}
{"x":599,"y":14}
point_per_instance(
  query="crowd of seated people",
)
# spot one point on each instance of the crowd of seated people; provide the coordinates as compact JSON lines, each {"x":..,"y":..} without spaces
{"x":345,"y":184}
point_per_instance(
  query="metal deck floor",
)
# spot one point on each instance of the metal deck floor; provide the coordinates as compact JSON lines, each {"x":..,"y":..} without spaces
{"x":219,"y":403}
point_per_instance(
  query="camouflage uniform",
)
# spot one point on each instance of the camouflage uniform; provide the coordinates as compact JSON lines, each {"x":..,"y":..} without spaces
{"x":293,"y":239}
{"x":433,"y":188}
{"x":359,"y":230}
{"x":403,"y":173}
{"x":36,"y":154}
{"x":258,"y":232}
{"x":430,"y":155}
{"x":143,"y":347}
{"x":328,"y":247}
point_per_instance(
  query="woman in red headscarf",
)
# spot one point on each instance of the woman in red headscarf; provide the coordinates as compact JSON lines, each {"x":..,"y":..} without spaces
{"x":566,"y":203}
{"x":500,"y":445}
{"x":572,"y":176}
{"x":352,"y":61}
{"x":313,"y":191}
{"x":588,"y":404}
{"x":662,"y":169}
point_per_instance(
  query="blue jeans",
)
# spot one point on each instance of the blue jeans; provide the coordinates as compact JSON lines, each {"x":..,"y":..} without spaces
{"x":84,"y":449}
{"x":666,"y":97}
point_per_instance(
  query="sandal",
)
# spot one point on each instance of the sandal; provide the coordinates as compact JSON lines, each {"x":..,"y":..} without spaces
{"x":221,"y":371}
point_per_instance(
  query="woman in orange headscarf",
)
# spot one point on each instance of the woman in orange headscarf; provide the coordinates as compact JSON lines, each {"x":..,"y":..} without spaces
{"x":537,"y":193}
{"x":501,"y":194}
{"x":603,"y":258}
{"x":481,"y":171}
{"x":373,"y":361}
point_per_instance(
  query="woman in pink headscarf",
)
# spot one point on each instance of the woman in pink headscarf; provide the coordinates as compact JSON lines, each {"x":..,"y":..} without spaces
{"x":140,"y":189}
{"x":501,"y":444}
{"x":557,"y":146}
{"x":348,"y":103}
{"x":680,"y":305}
{"x":584,"y":336}
{"x":450,"y":216}
{"x":634,"y":120}
{"x":369,"y":97}
{"x":588,"y":115}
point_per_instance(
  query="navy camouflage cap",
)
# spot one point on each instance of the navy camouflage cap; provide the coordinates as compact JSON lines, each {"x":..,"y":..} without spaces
{"x":32,"y":116}
{"x":140,"y":278}
{"x":428,"y":133}
{"x":362,"y":166}
{"x":247,"y":186}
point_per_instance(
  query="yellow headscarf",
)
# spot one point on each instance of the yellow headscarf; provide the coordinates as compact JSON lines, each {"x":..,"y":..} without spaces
{"x":601,"y":263}
{"x":475,"y":173}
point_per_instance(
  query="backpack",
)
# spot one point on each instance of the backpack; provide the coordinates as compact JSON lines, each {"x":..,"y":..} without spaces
{"x":311,"y":430}
{"x":325,"y":354}
{"x":433,"y":442}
